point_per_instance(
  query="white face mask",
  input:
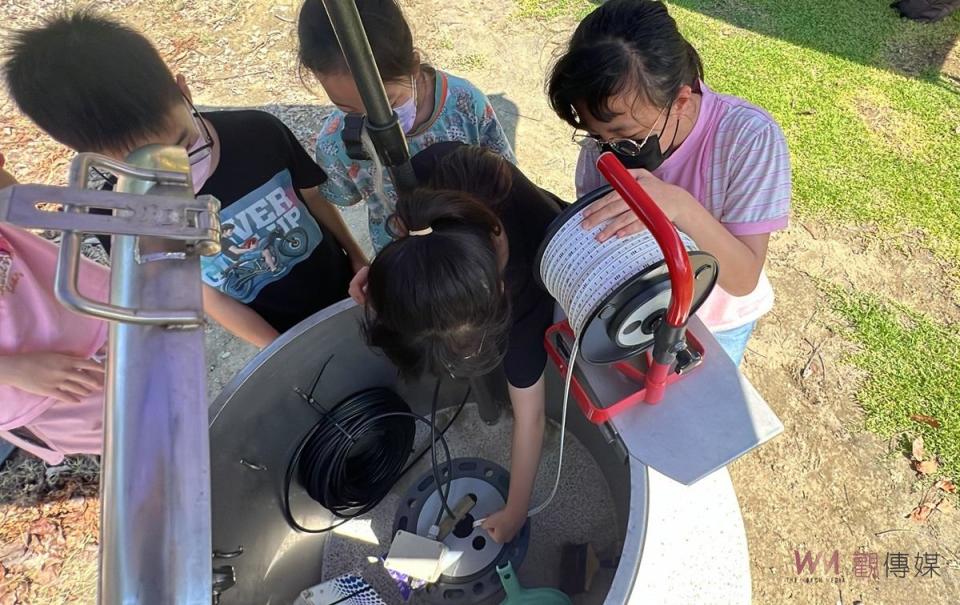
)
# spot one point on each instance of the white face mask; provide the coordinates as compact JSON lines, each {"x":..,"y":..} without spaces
{"x":407,"y":111}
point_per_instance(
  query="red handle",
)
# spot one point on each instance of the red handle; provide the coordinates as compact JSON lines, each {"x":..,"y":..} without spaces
{"x":663,"y":231}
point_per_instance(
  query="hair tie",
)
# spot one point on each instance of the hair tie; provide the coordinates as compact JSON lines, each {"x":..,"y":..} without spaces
{"x":426,"y":231}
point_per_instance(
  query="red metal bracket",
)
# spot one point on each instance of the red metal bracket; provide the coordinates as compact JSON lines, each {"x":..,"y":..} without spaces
{"x":636,"y":370}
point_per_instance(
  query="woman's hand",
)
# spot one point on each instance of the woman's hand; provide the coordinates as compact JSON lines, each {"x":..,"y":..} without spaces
{"x":63,"y":377}
{"x":623,"y":221}
{"x":358,"y":285}
{"x":504,"y":524}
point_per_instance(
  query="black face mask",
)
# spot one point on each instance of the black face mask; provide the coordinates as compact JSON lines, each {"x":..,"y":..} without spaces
{"x":647,"y":155}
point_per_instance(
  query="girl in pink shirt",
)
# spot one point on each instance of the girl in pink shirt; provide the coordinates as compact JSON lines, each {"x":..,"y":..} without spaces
{"x":716,"y":165}
{"x":51,"y":390}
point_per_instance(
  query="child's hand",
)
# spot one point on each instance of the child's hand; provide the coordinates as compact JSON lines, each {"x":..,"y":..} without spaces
{"x":63,"y":377}
{"x":504,"y":524}
{"x":622,"y":220}
{"x":358,"y":285}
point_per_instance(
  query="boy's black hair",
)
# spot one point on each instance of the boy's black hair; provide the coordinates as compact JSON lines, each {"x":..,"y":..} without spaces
{"x":91,"y":83}
{"x":387,"y":30}
{"x":437,"y":302}
{"x":622,"y":46}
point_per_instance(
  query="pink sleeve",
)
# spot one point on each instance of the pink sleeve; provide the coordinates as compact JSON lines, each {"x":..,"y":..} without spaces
{"x":757,"y":199}
{"x":587,"y":176}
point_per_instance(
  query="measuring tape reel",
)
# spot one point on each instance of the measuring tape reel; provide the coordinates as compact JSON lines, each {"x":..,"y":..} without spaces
{"x":615,"y":293}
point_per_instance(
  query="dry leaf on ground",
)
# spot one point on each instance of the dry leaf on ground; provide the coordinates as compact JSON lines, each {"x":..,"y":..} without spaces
{"x":946,"y":485}
{"x":944,"y":504}
{"x":926,"y":467}
{"x":918,"y":452}
{"x":921,"y":513}
{"x":928,"y":420}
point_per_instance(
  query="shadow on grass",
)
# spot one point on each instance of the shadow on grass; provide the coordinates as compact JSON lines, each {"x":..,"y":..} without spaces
{"x":870,"y":33}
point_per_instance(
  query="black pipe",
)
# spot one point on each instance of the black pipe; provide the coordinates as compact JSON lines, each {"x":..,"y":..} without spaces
{"x":382,"y":122}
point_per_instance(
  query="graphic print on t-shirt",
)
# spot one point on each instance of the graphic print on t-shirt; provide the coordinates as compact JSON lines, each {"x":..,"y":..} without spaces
{"x":263,"y":235}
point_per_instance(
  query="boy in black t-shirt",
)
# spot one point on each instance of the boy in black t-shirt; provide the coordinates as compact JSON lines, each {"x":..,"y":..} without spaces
{"x":95,"y":85}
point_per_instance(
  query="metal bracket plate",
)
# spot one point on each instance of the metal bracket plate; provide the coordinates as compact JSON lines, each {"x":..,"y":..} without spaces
{"x":704,"y":422}
{"x":176,"y":217}
{"x":183,"y":219}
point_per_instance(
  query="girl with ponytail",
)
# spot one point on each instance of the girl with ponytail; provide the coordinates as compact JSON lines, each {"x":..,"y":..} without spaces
{"x":456,"y":294}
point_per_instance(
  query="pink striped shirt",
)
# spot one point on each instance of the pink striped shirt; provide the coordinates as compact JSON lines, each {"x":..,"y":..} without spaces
{"x":736,"y":164}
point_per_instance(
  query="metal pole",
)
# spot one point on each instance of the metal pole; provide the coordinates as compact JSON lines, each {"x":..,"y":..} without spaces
{"x":155,"y":486}
{"x":388,"y":138}
{"x":382,"y":122}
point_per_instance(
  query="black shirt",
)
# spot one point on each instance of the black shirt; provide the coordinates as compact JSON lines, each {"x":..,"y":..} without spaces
{"x":526,"y":213}
{"x":276,"y":257}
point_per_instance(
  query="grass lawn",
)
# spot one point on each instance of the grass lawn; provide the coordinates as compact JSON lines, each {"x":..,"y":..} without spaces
{"x":874,"y":131}
{"x":913,"y":366}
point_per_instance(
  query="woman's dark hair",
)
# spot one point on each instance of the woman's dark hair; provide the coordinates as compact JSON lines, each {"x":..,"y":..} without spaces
{"x":387,"y":30}
{"x":91,"y":83}
{"x":623,"y":46}
{"x":437,"y":302}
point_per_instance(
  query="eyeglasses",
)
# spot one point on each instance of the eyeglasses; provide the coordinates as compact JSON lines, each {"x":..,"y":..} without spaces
{"x":203,"y":152}
{"x":194,"y":157}
{"x":468,"y":360}
{"x":619,"y":145}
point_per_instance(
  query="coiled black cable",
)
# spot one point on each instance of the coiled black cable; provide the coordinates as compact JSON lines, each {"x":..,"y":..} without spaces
{"x":354,"y":455}
{"x":351,"y":459}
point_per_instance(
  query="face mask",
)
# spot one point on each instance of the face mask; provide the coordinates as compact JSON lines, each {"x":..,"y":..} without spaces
{"x":200,"y":166}
{"x":646,"y":154}
{"x":407,"y":111}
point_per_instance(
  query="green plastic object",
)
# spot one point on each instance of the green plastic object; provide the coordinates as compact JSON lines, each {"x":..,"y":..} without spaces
{"x":518,"y":595}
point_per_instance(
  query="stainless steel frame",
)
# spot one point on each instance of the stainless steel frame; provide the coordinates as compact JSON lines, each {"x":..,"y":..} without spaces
{"x":155,"y":484}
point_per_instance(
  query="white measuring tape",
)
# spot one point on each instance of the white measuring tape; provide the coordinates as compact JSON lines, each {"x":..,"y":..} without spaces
{"x":580,"y":272}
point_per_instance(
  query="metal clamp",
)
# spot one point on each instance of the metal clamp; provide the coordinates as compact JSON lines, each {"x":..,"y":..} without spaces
{"x":180,"y":218}
{"x":687,"y":359}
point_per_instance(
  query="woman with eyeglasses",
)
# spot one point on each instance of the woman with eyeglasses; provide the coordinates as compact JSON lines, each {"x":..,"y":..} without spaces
{"x":456,"y":295}
{"x":715,"y":164}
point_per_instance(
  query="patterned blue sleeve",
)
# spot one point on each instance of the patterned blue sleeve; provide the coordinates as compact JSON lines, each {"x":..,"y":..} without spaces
{"x":492,"y":135}
{"x":339,"y":187}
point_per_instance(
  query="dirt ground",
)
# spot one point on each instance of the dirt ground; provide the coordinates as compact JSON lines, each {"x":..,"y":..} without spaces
{"x":823,"y":485}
